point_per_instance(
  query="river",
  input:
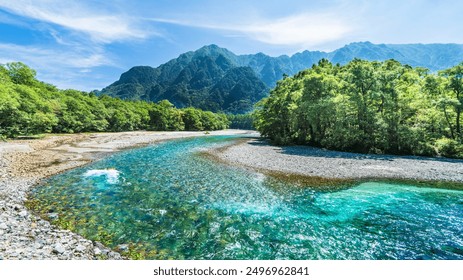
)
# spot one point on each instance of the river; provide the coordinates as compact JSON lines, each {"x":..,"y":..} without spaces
{"x":168,"y":201}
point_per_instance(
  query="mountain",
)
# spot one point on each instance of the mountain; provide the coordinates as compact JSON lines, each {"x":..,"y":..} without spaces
{"x":214,"y":78}
{"x":432,"y":56}
{"x":208,"y":78}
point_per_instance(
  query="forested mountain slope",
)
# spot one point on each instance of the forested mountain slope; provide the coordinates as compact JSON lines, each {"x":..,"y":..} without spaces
{"x":214,"y":78}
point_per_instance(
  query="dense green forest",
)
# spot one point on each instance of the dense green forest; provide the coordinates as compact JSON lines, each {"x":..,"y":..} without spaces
{"x":29,"y":106}
{"x":369,"y":107}
{"x":241,"y":121}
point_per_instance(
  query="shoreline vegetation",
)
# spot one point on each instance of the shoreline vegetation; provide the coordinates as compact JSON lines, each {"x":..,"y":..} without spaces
{"x":29,"y":107}
{"x":367,"y":107}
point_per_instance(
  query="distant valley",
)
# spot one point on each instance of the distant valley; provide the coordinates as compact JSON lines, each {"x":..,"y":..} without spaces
{"x":216,"y":79}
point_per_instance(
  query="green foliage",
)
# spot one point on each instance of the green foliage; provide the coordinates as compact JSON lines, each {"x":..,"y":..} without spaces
{"x":369,"y":107}
{"x":195,"y":119}
{"x":28,"y":107}
{"x":449,"y":148}
{"x":19,"y":73}
{"x":164,"y":116}
{"x":241,"y":121}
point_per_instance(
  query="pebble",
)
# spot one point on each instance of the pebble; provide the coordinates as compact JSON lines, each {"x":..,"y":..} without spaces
{"x":53,"y":216}
{"x":26,"y":236}
{"x":59,"y":249}
{"x":310,"y":161}
{"x":123,"y":247}
{"x":80,"y":248}
{"x":23,"y":213}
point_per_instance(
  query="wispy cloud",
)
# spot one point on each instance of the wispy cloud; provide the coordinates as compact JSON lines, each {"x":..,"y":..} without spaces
{"x":46,"y":56}
{"x":101,"y":26}
{"x":75,"y":36}
{"x":57,"y":66}
{"x":302,"y":30}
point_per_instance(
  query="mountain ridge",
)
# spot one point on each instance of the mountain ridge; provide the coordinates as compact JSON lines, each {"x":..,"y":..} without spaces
{"x":196,"y":78}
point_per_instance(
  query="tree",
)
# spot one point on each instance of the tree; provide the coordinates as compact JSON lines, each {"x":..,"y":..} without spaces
{"x":28,"y":107}
{"x":20,"y":73}
{"x":192,"y":119}
{"x":454,"y":83}
{"x":373,"y":107}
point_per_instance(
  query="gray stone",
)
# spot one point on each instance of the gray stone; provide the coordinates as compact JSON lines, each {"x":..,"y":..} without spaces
{"x":80,"y":248}
{"x":23,"y":213}
{"x":53,"y":216}
{"x":59,"y":249}
{"x":114,"y":255}
{"x":3,"y":226}
{"x":97,"y":251}
{"x":123,"y":247}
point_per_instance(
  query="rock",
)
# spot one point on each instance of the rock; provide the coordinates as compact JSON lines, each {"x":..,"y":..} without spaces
{"x":3,"y":226}
{"x":59,"y":249}
{"x":97,"y":251}
{"x":23,"y":213}
{"x":53,"y":216}
{"x":123,"y":247}
{"x":80,"y":248}
{"x":114,"y":255}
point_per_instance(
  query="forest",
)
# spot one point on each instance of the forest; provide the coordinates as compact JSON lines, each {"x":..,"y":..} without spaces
{"x":367,"y":107}
{"x":30,"y":107}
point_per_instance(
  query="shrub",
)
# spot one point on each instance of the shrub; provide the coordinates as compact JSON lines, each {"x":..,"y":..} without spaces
{"x":449,"y":148}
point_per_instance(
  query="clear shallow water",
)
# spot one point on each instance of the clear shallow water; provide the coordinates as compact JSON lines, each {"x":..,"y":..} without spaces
{"x":166,"y":201}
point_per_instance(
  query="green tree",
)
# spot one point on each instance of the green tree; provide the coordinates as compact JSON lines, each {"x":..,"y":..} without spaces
{"x":373,"y":107}
{"x":192,"y":119}
{"x":20,"y":73}
{"x":454,"y":83}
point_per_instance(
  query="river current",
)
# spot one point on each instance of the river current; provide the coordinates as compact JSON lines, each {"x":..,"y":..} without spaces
{"x":168,"y":201}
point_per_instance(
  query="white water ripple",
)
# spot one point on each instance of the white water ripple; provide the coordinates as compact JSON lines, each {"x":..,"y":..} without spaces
{"x":112,"y":175}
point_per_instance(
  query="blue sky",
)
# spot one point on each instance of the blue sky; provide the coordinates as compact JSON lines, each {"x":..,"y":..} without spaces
{"x":87,"y":44}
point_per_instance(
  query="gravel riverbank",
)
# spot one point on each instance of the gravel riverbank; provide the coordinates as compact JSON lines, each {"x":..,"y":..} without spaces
{"x":23,"y":163}
{"x":308,"y":161}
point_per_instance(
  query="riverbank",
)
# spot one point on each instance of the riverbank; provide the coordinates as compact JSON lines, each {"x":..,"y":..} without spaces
{"x":307,"y":161}
{"x":23,"y":163}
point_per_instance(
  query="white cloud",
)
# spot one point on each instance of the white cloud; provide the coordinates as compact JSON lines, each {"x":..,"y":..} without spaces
{"x":301,"y":30}
{"x":104,"y":27}
{"x":46,"y":56}
{"x":62,"y":67}
{"x":304,"y":30}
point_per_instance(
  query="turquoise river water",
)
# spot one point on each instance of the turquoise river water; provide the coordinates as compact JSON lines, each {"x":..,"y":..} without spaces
{"x":167,"y":201}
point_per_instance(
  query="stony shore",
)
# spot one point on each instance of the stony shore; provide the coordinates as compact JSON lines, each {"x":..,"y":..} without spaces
{"x":23,"y":163}
{"x":258,"y":154}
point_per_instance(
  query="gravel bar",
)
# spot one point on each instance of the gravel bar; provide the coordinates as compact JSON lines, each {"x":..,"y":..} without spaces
{"x":259,"y":154}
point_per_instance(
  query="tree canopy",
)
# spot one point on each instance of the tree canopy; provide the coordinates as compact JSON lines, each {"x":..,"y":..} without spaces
{"x":369,"y":107}
{"x":28,"y":106}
